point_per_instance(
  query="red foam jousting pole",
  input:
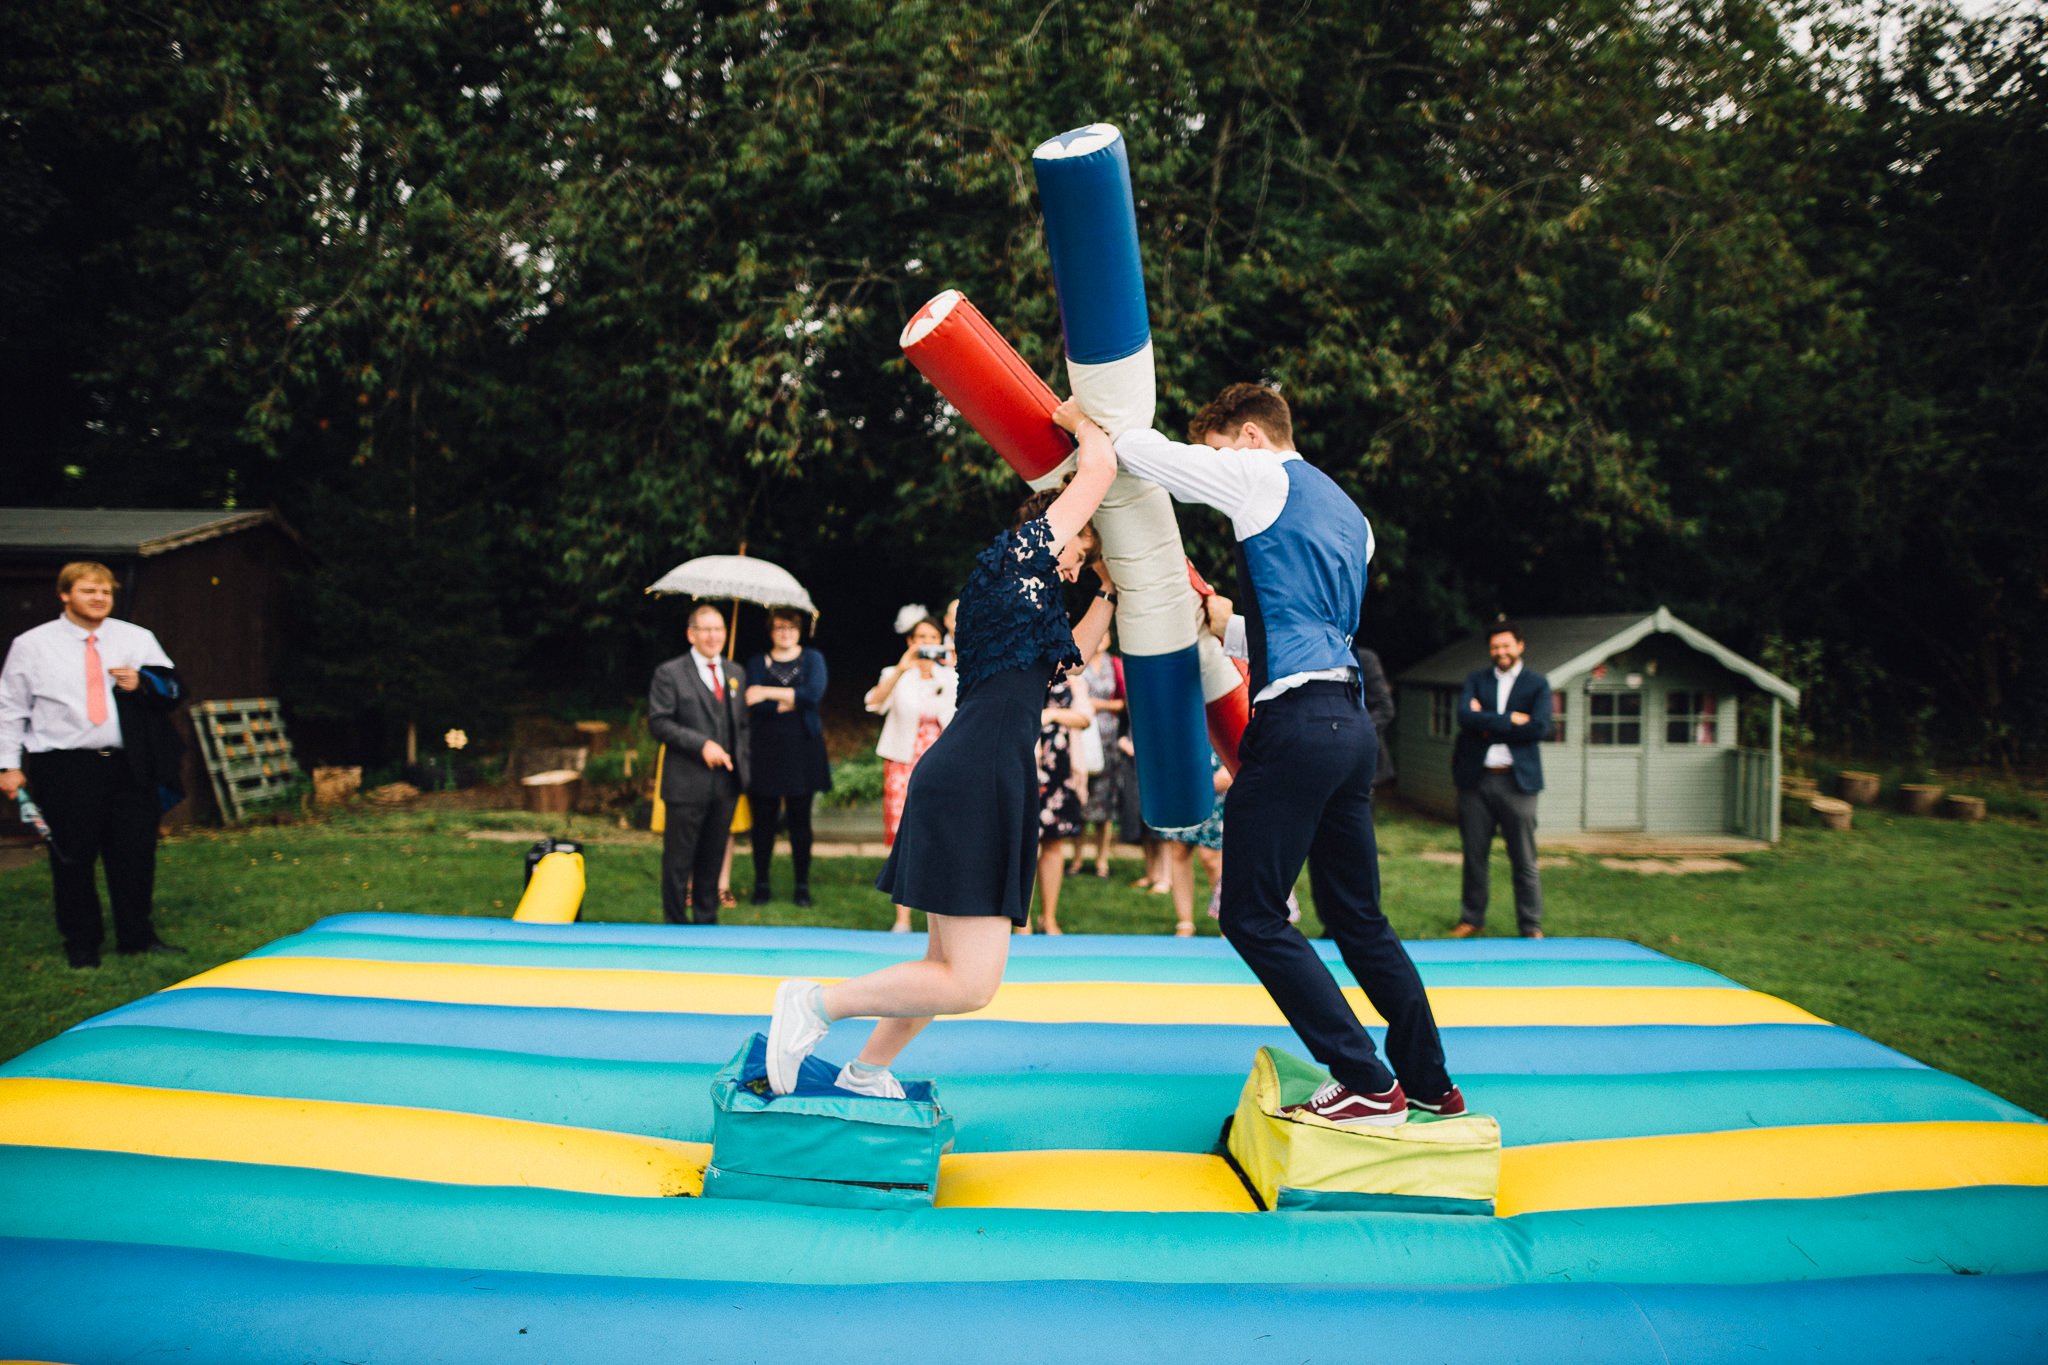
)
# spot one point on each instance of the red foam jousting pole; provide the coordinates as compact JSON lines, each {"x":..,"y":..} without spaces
{"x":982,"y":375}
{"x":1230,"y":713}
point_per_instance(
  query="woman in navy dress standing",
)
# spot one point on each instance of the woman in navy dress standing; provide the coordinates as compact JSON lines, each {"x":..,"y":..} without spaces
{"x":784,"y":687}
{"x":967,"y":849}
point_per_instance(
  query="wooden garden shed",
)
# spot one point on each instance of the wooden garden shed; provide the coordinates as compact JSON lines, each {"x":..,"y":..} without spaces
{"x":210,"y":583}
{"x":1648,"y":716}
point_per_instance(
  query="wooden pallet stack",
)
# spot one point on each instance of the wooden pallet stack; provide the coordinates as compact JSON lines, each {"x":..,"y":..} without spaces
{"x":247,"y":754}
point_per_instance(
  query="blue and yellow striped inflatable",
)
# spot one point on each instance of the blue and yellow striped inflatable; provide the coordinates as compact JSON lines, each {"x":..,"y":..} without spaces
{"x":407,"y":1138}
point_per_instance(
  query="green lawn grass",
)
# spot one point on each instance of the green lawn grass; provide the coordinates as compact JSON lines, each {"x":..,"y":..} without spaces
{"x":1926,"y":935}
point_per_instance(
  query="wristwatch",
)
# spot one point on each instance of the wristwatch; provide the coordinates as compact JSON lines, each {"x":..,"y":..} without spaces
{"x":1108,"y":597}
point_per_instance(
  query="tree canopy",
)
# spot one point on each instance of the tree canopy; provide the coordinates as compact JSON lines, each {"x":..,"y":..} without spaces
{"x":1736,"y":306}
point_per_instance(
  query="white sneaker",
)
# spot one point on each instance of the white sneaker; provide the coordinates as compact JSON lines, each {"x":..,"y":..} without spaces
{"x":878,"y":1081}
{"x":797,"y":1026}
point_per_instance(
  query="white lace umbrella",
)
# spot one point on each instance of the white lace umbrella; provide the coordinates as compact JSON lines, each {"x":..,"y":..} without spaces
{"x":739,"y":577}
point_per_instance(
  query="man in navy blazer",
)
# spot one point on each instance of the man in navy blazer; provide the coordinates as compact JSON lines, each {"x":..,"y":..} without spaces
{"x":1497,"y":764}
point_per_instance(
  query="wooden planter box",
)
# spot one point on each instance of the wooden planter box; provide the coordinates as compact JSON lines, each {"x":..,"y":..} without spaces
{"x":1859,"y":789}
{"x":1919,"y":798}
{"x":1833,"y":814}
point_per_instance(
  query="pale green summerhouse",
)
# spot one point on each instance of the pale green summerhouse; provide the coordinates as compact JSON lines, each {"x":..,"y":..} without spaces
{"x":1646,"y":731}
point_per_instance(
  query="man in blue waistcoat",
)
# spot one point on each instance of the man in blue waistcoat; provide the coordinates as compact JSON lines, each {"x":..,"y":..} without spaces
{"x":1304,"y":790}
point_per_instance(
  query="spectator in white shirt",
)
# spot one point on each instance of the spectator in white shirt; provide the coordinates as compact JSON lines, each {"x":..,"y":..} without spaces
{"x":63,"y":689}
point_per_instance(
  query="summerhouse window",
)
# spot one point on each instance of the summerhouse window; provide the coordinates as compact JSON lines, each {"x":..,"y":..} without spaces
{"x":1557,"y":710}
{"x":1443,"y":713}
{"x":1691,"y":718}
{"x":1614,"y":718}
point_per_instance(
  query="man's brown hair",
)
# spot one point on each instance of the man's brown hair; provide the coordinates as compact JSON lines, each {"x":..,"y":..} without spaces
{"x":84,"y":568}
{"x":1229,"y":410}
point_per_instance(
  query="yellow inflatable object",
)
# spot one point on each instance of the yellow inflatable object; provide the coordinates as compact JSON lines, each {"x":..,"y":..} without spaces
{"x":331,"y":1135}
{"x":1304,"y":1161}
{"x":1821,"y":1161}
{"x":554,"y":894}
{"x":1134,"y":1182}
{"x":1041,"y":1002}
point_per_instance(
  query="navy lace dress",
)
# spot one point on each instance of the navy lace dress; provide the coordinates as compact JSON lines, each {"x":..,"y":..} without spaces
{"x":968,"y":844}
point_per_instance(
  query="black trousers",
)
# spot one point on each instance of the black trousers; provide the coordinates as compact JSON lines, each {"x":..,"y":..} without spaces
{"x":1497,"y":803}
{"x":1304,"y":794}
{"x":770,"y":812}
{"x":692,"y":848}
{"x":98,"y":812}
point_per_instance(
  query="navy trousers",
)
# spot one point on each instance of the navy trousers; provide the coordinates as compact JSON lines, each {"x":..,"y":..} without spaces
{"x":99,"y":813}
{"x":1304,"y":794}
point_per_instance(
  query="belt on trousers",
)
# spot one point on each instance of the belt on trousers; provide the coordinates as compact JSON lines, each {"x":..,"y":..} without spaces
{"x":101,"y":753}
{"x":1508,"y":768}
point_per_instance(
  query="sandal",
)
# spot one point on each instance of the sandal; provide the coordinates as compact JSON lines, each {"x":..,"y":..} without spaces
{"x":727,"y":900}
{"x":1184,"y":929}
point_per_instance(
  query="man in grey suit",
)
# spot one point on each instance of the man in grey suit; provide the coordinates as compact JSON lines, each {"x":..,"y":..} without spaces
{"x":695,"y":707}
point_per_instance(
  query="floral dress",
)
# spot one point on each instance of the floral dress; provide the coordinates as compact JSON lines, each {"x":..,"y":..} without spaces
{"x":1059,"y":805}
{"x":968,"y":842}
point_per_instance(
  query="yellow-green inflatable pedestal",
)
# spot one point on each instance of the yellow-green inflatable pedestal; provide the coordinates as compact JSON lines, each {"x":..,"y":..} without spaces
{"x":1302,"y":1162}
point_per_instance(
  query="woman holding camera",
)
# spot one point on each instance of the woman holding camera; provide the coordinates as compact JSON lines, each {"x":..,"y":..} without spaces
{"x":915,"y":698}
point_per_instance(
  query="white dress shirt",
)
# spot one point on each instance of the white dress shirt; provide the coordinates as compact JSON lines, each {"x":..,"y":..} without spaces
{"x":1497,"y":755}
{"x":708,"y":673}
{"x":42,"y":686}
{"x":1248,"y":486}
{"x":912,"y":699}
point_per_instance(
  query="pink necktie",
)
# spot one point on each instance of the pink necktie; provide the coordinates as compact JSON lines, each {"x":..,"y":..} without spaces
{"x":711,"y":677}
{"x":95,"y":683}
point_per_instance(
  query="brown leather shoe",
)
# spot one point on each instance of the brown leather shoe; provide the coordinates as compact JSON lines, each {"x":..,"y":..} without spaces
{"x":1534,"y":933}
{"x":1464,"y":930}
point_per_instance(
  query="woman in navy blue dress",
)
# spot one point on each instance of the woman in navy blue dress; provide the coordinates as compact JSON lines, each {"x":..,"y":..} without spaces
{"x":967,"y":849}
{"x":789,"y":768}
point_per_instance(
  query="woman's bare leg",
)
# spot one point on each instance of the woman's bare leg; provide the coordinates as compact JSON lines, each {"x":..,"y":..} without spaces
{"x":1180,"y":864}
{"x":1051,"y":875}
{"x":962,"y":966}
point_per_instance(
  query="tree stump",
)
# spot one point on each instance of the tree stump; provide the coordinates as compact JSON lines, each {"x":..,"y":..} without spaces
{"x":1833,"y":814}
{"x":551,"y":793}
{"x":1859,"y":789}
{"x":332,"y":786}
{"x":596,"y":734}
{"x":1919,"y":798}
{"x":1966,"y":808}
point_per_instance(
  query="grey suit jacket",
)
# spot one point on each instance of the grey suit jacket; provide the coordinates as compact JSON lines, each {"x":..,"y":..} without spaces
{"x":683,"y":714}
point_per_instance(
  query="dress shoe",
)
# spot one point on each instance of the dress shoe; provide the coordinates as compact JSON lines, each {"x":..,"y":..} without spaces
{"x":82,"y":961}
{"x":154,"y":946}
{"x":1464,"y":930}
{"x":801,"y":898}
{"x":761,"y":893}
{"x":1533,"y":933}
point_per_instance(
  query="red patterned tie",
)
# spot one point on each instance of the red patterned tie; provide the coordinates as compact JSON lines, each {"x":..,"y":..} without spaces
{"x":95,"y":683}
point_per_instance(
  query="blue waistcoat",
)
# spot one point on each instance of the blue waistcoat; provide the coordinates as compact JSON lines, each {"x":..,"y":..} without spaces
{"x":1304,"y":580}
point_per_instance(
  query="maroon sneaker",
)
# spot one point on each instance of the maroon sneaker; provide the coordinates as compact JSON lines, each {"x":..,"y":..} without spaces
{"x":1347,"y":1108}
{"x":1446,"y":1105}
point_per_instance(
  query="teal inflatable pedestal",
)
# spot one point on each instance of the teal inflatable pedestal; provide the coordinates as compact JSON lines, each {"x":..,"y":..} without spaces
{"x":821,"y":1144}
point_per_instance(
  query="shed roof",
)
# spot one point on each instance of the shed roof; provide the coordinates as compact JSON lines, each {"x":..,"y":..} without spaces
{"x":111,"y":531}
{"x":1564,"y":647}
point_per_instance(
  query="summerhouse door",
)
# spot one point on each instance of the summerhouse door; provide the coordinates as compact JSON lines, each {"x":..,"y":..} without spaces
{"x":1615,"y":753}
